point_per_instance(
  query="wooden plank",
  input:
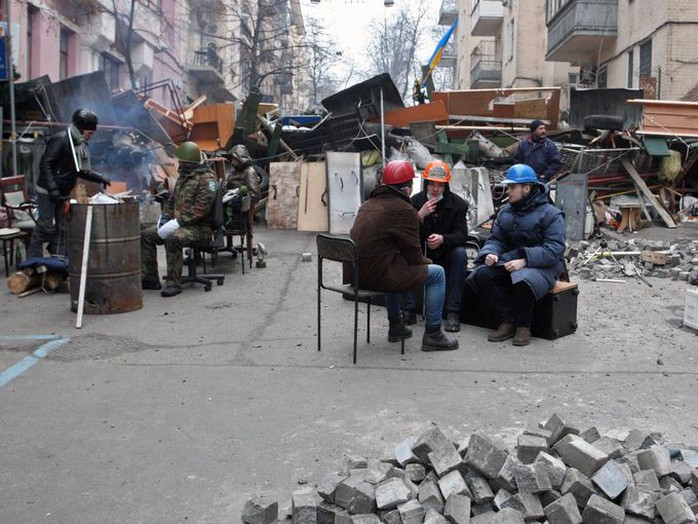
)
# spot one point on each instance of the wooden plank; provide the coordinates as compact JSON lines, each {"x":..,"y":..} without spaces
{"x":312,"y":206}
{"x":403,"y":117}
{"x":666,"y":217}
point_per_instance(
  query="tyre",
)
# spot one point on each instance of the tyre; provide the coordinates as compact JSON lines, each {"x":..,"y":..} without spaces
{"x":263,"y":178}
{"x":608,"y":122}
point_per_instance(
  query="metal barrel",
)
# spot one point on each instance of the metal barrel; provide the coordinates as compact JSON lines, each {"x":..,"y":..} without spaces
{"x":113,"y":283}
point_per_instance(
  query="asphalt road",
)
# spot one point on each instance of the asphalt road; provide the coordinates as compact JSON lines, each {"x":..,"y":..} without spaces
{"x":180,"y":411}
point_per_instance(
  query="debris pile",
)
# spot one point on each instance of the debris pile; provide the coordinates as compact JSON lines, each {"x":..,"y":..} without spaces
{"x":612,"y":260}
{"x":556,"y":474}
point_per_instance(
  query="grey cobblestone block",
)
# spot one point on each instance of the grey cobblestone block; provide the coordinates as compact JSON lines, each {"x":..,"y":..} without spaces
{"x":610,"y":479}
{"x":670,"y":485}
{"x":412,"y":487}
{"x":430,"y":495}
{"x":480,"y":489}
{"x":260,"y":510}
{"x":579,"y":454}
{"x":411,"y":512}
{"x":390,"y":493}
{"x":345,"y":490}
{"x":563,"y":511}
{"x":612,"y":447}
{"x":694,"y":480}
{"x":501,"y":497}
{"x":631,"y":460}
{"x":506,"y":478}
{"x":532,"y":509}
{"x":656,"y":458}
{"x":539,"y":432}
{"x":403,"y":451}
{"x":601,"y":511}
{"x":328,"y":485}
{"x":555,"y":467}
{"x":479,"y":509}
{"x":528,"y":447}
{"x":356,"y":462}
{"x":636,"y":439}
{"x":453,"y":482}
{"x":489,"y":517}
{"x":591,"y":434}
{"x":691,"y":499}
{"x":509,"y":516}
{"x":390,"y":517}
{"x":457,"y":509}
{"x":367,"y":518}
{"x":484,"y":456}
{"x":304,"y":506}
{"x":680,"y":471}
{"x":690,"y":457}
{"x":445,"y":459}
{"x":463,"y":446}
{"x":647,"y":479}
{"x":532,"y":478}
{"x":434,"y":517}
{"x":640,"y":502}
{"x":579,"y":485}
{"x":328,"y":513}
{"x":559,"y":428}
{"x":429,"y":441}
{"x":550,"y":496}
{"x":415,"y":472}
{"x":674,"y":510}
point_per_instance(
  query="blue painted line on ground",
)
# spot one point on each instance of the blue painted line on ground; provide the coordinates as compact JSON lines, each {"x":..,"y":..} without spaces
{"x":30,"y":337}
{"x":20,"y":367}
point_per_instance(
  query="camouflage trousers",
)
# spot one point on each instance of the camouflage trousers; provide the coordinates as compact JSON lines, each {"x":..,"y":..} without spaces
{"x":183,"y":237}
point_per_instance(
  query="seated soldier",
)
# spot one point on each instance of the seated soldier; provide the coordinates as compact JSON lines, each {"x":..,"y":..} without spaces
{"x":188,"y":209}
{"x":522,"y":258}
{"x":443,"y":233}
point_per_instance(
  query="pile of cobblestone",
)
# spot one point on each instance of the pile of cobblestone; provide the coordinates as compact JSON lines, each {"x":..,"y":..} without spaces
{"x":617,"y":259}
{"x":556,"y":474}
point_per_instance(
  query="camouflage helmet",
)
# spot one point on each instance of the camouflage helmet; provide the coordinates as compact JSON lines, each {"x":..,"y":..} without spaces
{"x":189,"y":152}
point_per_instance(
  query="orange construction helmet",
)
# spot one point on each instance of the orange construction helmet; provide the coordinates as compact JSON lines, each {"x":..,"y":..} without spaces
{"x":437,"y":171}
{"x":397,"y":172}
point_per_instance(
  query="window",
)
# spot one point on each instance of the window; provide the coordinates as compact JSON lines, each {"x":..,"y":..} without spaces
{"x":63,"y":54}
{"x":110,"y":66}
{"x":646,"y":59}
{"x":32,"y":32}
{"x":602,"y":78}
{"x":630,"y":68}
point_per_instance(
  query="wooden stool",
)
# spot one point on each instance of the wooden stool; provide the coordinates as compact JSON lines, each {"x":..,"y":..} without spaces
{"x":631,"y":217}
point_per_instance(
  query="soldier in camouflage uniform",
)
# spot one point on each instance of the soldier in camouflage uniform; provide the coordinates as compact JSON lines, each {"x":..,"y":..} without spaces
{"x":244,"y":173}
{"x":190,"y":204}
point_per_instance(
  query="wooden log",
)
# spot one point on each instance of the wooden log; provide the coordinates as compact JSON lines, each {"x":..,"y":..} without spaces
{"x":21,"y":281}
{"x":51,"y":281}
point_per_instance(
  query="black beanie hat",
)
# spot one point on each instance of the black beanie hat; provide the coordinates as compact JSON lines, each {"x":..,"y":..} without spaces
{"x":536,"y":124}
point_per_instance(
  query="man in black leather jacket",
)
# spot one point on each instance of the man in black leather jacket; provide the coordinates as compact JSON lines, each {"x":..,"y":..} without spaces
{"x":65,"y":159}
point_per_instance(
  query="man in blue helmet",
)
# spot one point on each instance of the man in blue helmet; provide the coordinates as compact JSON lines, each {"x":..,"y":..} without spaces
{"x":522,"y":258}
{"x":539,"y":152}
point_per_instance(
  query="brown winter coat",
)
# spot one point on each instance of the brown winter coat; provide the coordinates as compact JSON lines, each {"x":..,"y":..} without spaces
{"x":386,"y":233}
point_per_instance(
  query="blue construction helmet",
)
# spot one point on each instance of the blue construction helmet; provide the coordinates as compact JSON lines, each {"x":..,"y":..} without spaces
{"x":520,"y":174}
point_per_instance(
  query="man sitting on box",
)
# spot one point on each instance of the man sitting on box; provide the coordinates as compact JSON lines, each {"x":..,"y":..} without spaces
{"x":523,"y":257}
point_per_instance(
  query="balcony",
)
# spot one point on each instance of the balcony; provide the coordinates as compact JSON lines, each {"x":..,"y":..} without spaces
{"x":207,"y":66}
{"x":579,"y":27}
{"x":486,"y":17}
{"x":448,"y":12}
{"x":485,"y":66}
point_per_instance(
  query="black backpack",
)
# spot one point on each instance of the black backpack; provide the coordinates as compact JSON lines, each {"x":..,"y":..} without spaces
{"x":217,"y":209}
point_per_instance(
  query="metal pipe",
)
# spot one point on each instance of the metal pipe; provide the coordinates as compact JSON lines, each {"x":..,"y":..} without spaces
{"x":382,"y":129}
{"x":11,"y":80}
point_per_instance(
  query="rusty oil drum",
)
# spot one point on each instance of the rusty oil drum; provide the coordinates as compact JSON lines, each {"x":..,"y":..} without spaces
{"x":113,"y":283}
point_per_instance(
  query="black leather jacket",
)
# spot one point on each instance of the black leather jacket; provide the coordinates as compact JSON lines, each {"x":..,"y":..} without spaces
{"x":57,"y":169}
{"x":450,"y":220}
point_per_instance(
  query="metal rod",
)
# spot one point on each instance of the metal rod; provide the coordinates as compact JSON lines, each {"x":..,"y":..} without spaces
{"x":382,"y":129}
{"x":11,"y":80}
{"x":83,"y":268}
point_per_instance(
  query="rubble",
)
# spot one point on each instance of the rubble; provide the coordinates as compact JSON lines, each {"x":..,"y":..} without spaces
{"x":561,"y":476}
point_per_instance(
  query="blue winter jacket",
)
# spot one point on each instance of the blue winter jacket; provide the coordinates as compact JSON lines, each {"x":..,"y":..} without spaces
{"x":532,"y":229}
{"x":542,"y":156}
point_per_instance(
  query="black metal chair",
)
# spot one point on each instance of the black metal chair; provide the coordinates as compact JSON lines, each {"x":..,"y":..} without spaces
{"x":237,"y":223}
{"x":343,"y":249}
{"x":200,"y":248}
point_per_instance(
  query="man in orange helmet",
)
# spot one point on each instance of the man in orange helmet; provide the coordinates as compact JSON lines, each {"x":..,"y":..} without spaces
{"x":386,"y":233}
{"x":443,"y":233}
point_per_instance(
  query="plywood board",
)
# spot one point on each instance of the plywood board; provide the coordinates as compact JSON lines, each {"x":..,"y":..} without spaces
{"x":434,"y":112}
{"x":344,"y":190}
{"x":312,"y":202}
{"x":284,"y":189}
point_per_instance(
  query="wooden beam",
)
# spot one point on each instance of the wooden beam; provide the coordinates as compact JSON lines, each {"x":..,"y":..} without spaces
{"x":648,"y":194}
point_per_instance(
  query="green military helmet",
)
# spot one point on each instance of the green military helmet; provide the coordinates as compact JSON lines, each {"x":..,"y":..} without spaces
{"x":189,"y":152}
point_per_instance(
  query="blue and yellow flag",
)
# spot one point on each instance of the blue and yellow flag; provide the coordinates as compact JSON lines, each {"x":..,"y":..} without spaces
{"x":436,"y":56}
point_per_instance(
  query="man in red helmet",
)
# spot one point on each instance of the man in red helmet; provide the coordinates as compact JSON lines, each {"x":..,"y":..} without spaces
{"x":443,"y":234}
{"x":386,"y":233}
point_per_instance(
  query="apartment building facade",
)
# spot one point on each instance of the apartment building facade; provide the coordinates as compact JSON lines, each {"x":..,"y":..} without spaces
{"x":628,"y":43}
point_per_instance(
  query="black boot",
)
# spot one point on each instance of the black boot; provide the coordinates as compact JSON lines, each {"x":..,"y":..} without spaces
{"x":151,"y":283}
{"x":435,"y":340}
{"x":171,"y":291}
{"x":410,"y":317}
{"x":397,"y":331}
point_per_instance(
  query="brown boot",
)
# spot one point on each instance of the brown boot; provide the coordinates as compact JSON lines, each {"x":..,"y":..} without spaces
{"x":522,"y":336}
{"x":503,"y":332}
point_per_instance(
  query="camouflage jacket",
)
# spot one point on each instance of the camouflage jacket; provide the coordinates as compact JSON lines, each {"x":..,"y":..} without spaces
{"x":193,"y":197}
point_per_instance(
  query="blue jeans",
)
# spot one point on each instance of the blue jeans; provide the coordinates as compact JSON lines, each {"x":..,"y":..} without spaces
{"x":454,"y":264}
{"x":50,"y":227}
{"x":434,"y":296}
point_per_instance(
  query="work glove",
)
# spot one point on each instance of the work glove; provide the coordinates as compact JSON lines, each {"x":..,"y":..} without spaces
{"x":54,"y":196}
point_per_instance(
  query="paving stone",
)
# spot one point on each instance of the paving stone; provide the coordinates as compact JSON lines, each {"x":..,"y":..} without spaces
{"x":480,"y":489}
{"x":501,"y":497}
{"x":260,"y":510}
{"x":356,"y":462}
{"x":690,"y":457}
{"x":630,"y":460}
{"x":612,"y":447}
{"x":431,"y":440}
{"x":328,"y":485}
{"x":445,"y":459}
{"x":656,"y":458}
{"x":368,"y":518}
{"x":484,"y":456}
{"x":528,"y":447}
{"x":647,"y":479}
{"x":625,"y":469}
{"x":691,"y":499}
{"x":532,"y":508}
{"x":558,"y":428}
{"x":694,"y":480}
{"x":591,"y":435}
{"x":463,"y":446}
{"x":509,"y":516}
{"x":579,"y":454}
{"x":670,"y":485}
{"x":390,"y":493}
{"x":415,"y":472}
{"x":489,"y":517}
{"x":610,"y":479}
{"x":640,"y":502}
{"x":430,"y":495}
{"x":532,"y":478}
{"x":457,"y":509}
{"x":390,"y":517}
{"x":555,"y":467}
{"x":479,"y":509}
{"x":434,"y":517}
{"x":411,"y":512}
{"x":680,"y":471}
{"x":550,"y":496}
{"x":304,"y":506}
{"x":453,"y":482}
{"x":675,"y":510}
{"x":345,"y":490}
{"x":538,"y":432}
{"x":412,"y":487}
{"x":601,"y":511}
{"x":579,"y":485}
{"x":563,"y":511}
{"x":506,"y":478}
{"x":403,"y":451}
{"x":330,"y":514}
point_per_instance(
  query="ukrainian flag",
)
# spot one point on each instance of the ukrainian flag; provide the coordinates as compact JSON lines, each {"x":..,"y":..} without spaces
{"x":436,"y":57}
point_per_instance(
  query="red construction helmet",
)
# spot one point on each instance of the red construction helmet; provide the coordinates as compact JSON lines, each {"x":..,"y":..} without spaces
{"x":397,"y":172}
{"x":437,"y":171}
